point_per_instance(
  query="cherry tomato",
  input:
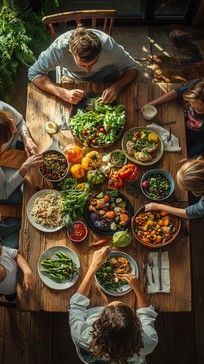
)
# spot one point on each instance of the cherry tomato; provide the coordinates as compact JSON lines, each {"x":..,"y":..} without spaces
{"x":145,"y":184}
{"x":84,"y":132}
{"x":94,"y":141}
{"x":102,"y":130}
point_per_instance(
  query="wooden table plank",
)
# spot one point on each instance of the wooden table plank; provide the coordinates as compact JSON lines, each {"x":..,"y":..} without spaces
{"x":41,"y":108}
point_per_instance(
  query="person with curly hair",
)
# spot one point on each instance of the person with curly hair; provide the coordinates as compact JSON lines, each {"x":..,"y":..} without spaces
{"x":115,"y":333}
{"x":84,"y":55}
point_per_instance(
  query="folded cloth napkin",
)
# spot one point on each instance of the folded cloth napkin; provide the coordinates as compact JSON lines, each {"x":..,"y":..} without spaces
{"x":165,"y":277}
{"x":12,"y":158}
{"x":169,"y":146}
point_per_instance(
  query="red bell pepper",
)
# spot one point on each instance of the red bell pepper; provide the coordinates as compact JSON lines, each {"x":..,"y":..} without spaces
{"x":129,"y":172}
{"x":115,"y":181}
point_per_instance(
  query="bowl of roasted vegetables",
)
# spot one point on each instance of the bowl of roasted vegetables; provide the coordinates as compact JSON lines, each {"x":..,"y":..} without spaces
{"x":109,"y":275}
{"x":58,"y":267}
{"x":157,"y":184}
{"x":55,"y":166}
{"x":97,"y":125}
{"x":142,"y":145}
{"x":155,"y":228}
{"x":108,"y":211}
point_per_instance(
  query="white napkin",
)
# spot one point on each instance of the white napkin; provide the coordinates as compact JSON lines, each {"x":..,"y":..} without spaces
{"x":154,"y":287}
{"x":173,"y":144}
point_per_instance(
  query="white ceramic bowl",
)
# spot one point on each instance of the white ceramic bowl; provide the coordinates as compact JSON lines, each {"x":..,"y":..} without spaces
{"x":149,"y":112}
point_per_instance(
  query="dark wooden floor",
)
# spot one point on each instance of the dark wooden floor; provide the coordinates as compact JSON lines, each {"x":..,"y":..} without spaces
{"x":38,"y":338}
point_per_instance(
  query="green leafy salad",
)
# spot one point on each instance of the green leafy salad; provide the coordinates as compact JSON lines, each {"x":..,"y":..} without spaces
{"x":99,"y":126}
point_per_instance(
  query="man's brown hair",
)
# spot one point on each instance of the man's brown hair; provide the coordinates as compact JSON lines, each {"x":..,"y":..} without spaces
{"x":7,"y":127}
{"x":84,"y":44}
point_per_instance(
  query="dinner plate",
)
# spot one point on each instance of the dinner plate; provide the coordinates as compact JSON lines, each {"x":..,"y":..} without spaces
{"x":159,"y":152}
{"x":31,"y":218}
{"x":126,"y":288}
{"x":49,"y":253}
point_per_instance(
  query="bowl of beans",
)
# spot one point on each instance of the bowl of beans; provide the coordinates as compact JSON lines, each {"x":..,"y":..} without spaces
{"x":55,"y":165}
{"x":157,"y":184}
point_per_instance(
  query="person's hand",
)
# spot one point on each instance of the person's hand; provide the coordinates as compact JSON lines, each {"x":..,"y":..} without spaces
{"x":30,"y":147}
{"x":33,"y":161}
{"x":99,"y":257}
{"x":28,"y":281}
{"x":73,"y":96}
{"x":131,"y":279}
{"x":152,"y":206}
{"x":109,"y":95}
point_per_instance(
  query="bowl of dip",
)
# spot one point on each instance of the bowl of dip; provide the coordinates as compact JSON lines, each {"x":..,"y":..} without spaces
{"x":78,"y":232}
{"x":149,"y":112}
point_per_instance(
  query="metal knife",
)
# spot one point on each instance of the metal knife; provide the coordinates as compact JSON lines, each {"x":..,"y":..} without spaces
{"x":160,"y":268}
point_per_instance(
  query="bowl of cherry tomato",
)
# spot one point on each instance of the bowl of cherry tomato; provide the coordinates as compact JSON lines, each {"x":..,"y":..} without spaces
{"x":157,"y":184}
{"x":78,"y":232}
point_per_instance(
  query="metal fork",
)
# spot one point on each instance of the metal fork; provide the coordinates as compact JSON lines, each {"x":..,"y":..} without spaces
{"x":151,"y":265}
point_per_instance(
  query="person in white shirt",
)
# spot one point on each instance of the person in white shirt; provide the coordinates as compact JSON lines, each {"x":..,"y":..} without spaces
{"x":13,"y":128}
{"x":115,"y":333}
{"x":10,"y":260}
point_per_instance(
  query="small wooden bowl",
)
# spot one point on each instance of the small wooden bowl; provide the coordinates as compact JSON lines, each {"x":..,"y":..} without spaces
{"x":155,"y":245}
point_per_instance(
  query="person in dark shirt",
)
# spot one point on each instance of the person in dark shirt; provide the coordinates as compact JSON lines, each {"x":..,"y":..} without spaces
{"x":192,"y":93}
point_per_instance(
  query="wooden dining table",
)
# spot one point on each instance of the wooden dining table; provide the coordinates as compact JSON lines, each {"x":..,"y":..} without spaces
{"x":42,"y":107}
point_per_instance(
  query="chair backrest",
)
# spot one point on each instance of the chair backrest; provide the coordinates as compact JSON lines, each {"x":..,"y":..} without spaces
{"x":102,"y":17}
{"x":10,"y":211}
{"x":7,"y":304}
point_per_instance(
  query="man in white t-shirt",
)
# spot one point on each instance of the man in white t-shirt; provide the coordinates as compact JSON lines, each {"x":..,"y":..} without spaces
{"x":10,"y":260}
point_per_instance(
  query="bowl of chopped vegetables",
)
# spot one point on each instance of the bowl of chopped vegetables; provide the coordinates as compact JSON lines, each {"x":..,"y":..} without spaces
{"x":95,"y":124}
{"x":108,"y":211}
{"x":157,"y":184}
{"x":118,"y":158}
{"x":78,"y":232}
{"x":109,"y":275}
{"x":58,"y":267}
{"x":155,"y":229}
{"x":142,"y":145}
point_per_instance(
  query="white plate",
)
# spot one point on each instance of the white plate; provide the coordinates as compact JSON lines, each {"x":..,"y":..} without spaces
{"x":126,"y":288}
{"x":31,"y":217}
{"x":50,"y":252}
{"x":159,"y":152}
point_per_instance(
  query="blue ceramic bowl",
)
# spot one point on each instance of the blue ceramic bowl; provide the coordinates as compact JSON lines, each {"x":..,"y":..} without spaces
{"x":157,"y":193}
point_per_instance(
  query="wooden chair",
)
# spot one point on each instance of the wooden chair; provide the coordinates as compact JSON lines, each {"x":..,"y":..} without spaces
{"x":10,"y":211}
{"x":95,"y":17}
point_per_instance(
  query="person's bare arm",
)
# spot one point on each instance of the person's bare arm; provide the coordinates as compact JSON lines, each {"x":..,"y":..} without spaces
{"x":171,"y":95}
{"x":71,"y":96}
{"x":99,"y":257}
{"x":28,"y":278}
{"x":172,"y":210}
{"x":111,"y":93}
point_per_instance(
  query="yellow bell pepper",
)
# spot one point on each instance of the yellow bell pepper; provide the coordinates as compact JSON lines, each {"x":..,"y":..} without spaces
{"x":77,"y":171}
{"x":91,"y":160}
{"x":153,"y":137}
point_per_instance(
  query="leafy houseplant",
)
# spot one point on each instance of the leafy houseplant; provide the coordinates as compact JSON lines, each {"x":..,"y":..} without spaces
{"x":22,"y":35}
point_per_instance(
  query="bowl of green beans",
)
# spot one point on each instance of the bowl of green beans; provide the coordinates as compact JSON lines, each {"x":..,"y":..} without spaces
{"x":157,"y":184}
